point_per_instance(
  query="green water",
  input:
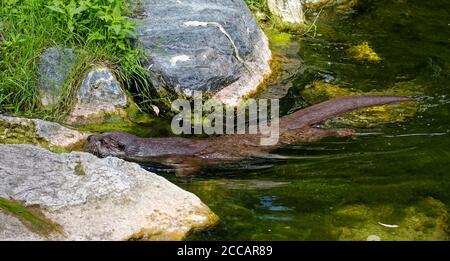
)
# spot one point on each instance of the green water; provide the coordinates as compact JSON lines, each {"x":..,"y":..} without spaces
{"x":346,"y":189}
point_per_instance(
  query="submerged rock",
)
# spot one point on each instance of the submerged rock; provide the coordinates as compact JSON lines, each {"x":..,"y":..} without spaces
{"x":50,"y":135}
{"x":78,"y":196}
{"x":54,"y":67}
{"x":100,"y":94}
{"x":363,"y":52}
{"x":424,"y":220}
{"x":215,"y":46}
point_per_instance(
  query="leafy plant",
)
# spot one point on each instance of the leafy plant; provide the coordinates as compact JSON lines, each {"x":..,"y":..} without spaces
{"x":99,"y":31}
{"x":96,"y":20}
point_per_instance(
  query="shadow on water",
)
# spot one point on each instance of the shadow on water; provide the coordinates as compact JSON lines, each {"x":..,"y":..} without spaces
{"x":390,"y":182}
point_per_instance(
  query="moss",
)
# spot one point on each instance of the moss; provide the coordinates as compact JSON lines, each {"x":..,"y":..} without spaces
{"x":25,"y":133}
{"x":278,"y":38}
{"x":31,"y":217}
{"x":425,"y":220}
{"x":276,"y":65}
{"x":79,"y":169}
{"x":137,"y":116}
{"x":320,"y":91}
{"x":363,"y":52}
{"x":20,"y":133}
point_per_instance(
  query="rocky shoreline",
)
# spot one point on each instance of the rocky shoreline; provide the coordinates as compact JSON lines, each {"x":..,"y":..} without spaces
{"x":77,"y":196}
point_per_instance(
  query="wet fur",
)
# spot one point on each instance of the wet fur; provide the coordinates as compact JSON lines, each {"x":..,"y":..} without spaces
{"x":188,"y":155}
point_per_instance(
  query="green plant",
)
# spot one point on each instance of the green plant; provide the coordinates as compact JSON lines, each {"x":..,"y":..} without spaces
{"x":258,"y":5}
{"x":96,"y":20}
{"x":99,"y":31}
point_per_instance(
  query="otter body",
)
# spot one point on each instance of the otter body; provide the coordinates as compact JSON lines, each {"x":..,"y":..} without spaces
{"x":188,"y":155}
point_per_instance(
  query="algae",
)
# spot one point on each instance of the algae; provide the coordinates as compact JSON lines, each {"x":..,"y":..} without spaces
{"x":425,"y":220}
{"x":79,"y":169}
{"x":278,"y":38}
{"x":363,"y":52}
{"x":20,"y":133}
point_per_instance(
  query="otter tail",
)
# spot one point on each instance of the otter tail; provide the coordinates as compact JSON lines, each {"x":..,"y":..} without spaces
{"x":325,"y":110}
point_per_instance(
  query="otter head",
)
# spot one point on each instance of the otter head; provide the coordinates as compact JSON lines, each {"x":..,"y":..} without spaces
{"x":109,"y":144}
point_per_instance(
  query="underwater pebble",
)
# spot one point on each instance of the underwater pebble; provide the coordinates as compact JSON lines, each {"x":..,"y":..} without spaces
{"x":373,"y":238}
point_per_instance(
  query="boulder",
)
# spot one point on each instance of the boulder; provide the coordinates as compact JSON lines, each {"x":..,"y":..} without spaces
{"x":50,"y":135}
{"x":214,"y":46}
{"x":288,"y":11}
{"x":77,"y":196}
{"x":100,"y":94}
{"x":54,"y":67}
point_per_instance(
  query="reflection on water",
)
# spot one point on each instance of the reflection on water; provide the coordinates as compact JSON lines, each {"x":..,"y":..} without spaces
{"x":390,"y":182}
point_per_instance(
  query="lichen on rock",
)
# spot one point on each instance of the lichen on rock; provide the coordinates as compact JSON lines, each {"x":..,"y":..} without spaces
{"x":99,"y":94}
{"x":54,"y":67}
{"x":92,"y":198}
{"x":51,"y":135}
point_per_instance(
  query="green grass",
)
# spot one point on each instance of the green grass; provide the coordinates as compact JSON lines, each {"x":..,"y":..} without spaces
{"x":99,"y":31}
{"x":258,"y":5}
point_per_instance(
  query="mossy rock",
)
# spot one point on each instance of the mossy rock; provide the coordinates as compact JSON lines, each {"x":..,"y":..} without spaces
{"x":49,"y":135}
{"x":31,"y":217}
{"x":20,"y":133}
{"x":363,"y":52}
{"x":424,"y":220}
{"x":278,"y":38}
{"x":320,"y":91}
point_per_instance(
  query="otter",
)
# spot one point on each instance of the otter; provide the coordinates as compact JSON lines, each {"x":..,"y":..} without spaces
{"x":188,"y":155}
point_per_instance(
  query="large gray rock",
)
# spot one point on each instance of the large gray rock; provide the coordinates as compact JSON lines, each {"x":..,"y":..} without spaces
{"x":54,"y":67}
{"x":89,"y":198}
{"x":99,"y":94}
{"x":204,"y":45}
{"x":39,"y":132}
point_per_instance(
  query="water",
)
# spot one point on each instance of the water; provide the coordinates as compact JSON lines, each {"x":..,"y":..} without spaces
{"x":391,"y":182}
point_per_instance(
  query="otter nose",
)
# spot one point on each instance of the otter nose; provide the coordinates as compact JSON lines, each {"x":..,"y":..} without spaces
{"x":90,"y":138}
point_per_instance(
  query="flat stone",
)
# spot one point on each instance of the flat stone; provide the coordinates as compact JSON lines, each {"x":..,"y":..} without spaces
{"x":95,"y":199}
{"x":39,"y":132}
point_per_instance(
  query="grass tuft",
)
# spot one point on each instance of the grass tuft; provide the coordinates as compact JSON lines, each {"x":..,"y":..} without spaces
{"x":99,"y":31}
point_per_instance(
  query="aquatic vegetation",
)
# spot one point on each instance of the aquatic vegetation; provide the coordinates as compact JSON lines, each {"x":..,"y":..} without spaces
{"x":363,"y":52}
{"x":425,"y":220}
{"x":278,"y":38}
